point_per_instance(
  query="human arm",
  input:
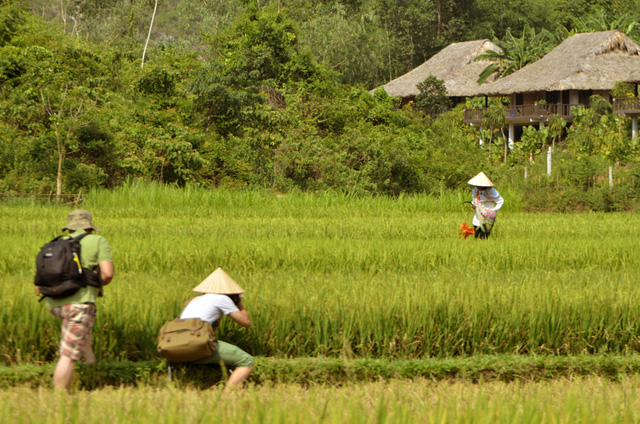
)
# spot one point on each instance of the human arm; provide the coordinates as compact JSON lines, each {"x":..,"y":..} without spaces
{"x":106,"y":271}
{"x":104,"y":259}
{"x":241,"y":316}
{"x":498,"y":199}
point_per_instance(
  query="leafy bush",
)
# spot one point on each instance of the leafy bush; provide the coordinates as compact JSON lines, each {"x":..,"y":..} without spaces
{"x":432,"y":99}
{"x":158,"y":81}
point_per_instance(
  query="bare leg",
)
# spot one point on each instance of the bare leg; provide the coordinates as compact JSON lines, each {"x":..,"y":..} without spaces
{"x":63,"y":374}
{"x":238,"y":376}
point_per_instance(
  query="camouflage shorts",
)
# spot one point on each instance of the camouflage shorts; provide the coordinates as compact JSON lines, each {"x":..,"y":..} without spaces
{"x":77,"y":322}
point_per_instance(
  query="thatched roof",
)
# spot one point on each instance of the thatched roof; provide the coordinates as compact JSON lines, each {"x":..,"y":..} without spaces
{"x":588,"y":61}
{"x":454,"y":65}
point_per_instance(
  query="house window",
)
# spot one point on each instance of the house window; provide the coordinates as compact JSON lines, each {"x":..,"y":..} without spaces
{"x":519,"y":99}
{"x":553,"y":97}
{"x":566,"y":97}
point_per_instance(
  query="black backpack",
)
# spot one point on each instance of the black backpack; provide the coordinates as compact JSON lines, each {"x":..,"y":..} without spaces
{"x":59,"y":272}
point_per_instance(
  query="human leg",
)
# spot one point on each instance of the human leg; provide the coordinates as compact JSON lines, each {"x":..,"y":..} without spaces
{"x":63,"y":374}
{"x":239,"y":376}
{"x":479,"y":233}
{"x":238,"y":359}
{"x":232,"y":357}
{"x":77,"y":322}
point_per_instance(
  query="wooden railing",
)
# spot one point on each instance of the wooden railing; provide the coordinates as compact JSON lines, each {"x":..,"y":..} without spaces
{"x":626,"y":105}
{"x":71,"y":199}
{"x":531,"y":111}
{"x":473,"y":115}
{"x":563,"y":110}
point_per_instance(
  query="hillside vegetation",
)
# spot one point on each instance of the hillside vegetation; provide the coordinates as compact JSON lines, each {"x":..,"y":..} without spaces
{"x":276,"y":95}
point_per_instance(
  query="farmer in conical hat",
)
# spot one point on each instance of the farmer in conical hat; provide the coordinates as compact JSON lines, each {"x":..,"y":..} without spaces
{"x":222,"y":296}
{"x":486,"y":201}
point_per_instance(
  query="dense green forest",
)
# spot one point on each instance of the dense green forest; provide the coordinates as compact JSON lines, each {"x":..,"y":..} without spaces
{"x":278,"y":95}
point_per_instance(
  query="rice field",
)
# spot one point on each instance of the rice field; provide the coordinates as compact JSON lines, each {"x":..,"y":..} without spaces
{"x":368,"y":283}
{"x":332,"y":275}
{"x":582,"y":400}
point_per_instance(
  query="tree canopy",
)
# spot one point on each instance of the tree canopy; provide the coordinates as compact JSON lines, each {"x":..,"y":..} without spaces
{"x":267,"y":94}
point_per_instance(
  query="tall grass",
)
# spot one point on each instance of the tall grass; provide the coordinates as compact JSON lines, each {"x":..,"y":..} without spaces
{"x":337,"y":275}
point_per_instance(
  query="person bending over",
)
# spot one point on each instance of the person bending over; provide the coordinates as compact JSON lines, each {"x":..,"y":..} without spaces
{"x":222,"y":296}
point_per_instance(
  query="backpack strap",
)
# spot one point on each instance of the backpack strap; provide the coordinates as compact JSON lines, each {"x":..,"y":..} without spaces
{"x":92,"y":275}
{"x":78,"y":237}
{"x":81,"y":236}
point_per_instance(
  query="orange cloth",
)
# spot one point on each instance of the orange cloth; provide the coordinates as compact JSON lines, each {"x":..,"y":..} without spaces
{"x":465,"y":231}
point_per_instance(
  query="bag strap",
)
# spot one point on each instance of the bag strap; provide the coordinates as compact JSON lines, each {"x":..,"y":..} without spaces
{"x":78,"y":237}
{"x":81,"y":236}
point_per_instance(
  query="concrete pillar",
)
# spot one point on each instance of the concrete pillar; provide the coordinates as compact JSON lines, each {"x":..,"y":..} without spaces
{"x":512,"y":135}
{"x":610,"y":176}
{"x":634,"y":127}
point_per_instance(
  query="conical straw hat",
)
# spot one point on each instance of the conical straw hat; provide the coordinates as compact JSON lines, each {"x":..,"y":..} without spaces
{"x":219,"y":282}
{"x":480,"y":180}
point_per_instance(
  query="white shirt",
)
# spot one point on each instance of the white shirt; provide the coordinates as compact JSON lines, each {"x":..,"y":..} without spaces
{"x":209,"y":307}
{"x":489,"y":198}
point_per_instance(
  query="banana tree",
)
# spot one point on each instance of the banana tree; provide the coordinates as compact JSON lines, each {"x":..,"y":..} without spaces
{"x":556,"y":128}
{"x":517,"y":52}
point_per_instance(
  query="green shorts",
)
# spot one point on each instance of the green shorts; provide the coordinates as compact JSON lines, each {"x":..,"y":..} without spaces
{"x":231,"y":355}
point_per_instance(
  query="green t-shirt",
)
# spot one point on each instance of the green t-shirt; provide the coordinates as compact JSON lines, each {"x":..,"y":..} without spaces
{"x":93,"y":250}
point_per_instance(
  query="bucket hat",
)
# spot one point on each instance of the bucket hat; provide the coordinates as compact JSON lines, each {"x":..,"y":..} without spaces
{"x":219,"y":282}
{"x":79,"y":219}
{"x":480,"y":180}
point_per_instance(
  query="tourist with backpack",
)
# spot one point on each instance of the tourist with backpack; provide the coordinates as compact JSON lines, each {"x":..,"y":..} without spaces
{"x":221,"y":296}
{"x":71,"y":272}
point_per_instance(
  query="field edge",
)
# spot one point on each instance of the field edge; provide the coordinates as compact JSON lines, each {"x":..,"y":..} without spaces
{"x":333,"y":371}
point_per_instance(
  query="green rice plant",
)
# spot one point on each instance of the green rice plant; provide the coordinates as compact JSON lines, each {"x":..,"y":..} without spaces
{"x":337,"y":275}
{"x":583,"y":400}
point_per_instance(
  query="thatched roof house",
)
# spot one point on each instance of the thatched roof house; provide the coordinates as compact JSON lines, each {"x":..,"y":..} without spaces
{"x":587,"y":61}
{"x":454,"y":65}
